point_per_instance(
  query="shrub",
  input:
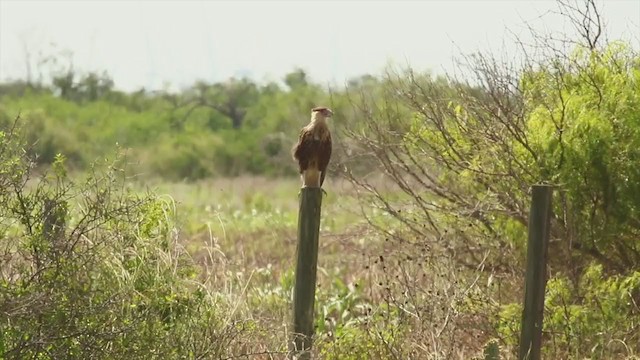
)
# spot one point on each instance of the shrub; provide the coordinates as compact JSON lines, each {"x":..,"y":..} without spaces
{"x":91,"y":270}
{"x":464,"y":153}
{"x":596,"y":318}
{"x":184,"y":156}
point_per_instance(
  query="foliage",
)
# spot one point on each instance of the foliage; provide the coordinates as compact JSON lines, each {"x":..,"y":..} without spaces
{"x":464,"y":153}
{"x":589,"y":134}
{"x":93,"y":271}
{"x":363,"y":342}
{"x":572,"y":124}
{"x":596,"y":318}
{"x":220,"y":129}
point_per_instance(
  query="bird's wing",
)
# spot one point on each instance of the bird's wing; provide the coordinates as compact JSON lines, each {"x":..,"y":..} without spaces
{"x":324,"y":155}
{"x":304,"y":149}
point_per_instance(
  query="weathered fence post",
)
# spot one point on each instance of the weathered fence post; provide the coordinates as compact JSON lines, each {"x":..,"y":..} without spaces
{"x":307,"y":263}
{"x":536,"y":276}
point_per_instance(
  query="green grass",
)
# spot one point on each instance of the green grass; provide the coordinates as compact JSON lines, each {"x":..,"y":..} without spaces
{"x":254,"y":219}
{"x":242,"y":232}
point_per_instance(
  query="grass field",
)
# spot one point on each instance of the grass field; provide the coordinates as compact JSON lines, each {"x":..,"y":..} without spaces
{"x":242,"y":232}
{"x":384,"y":291}
{"x":253,"y":220}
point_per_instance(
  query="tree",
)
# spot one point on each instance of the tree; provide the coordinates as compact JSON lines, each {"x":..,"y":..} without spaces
{"x":467,"y":151}
{"x":64,"y":83}
{"x":94,"y":86}
{"x":231,"y":98}
{"x":89,"y":87}
{"x":461,"y":155}
{"x":296,"y":79}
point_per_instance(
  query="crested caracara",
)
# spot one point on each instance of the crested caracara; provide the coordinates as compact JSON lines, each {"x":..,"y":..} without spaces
{"x":313,"y":150}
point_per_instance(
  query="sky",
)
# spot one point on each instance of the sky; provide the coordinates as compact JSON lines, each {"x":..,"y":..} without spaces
{"x":170,"y":44}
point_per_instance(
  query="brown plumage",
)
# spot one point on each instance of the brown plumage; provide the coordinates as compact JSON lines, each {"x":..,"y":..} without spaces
{"x":313,"y":150}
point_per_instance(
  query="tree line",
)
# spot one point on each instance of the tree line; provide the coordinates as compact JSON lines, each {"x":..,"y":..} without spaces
{"x":224,"y":128}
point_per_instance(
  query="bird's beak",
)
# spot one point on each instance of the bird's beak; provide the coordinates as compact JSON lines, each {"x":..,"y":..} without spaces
{"x":329,"y":113}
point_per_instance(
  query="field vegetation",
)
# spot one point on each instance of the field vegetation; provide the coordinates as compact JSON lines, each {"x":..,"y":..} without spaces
{"x":157,"y":225}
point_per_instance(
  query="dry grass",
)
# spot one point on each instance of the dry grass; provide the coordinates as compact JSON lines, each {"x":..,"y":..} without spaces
{"x":242,"y":232}
{"x":376,"y":295}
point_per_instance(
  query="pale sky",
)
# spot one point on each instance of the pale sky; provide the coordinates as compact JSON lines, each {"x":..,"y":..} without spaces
{"x":152,"y":43}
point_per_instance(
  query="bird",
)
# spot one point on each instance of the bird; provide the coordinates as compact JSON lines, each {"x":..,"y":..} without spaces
{"x":313,"y":149}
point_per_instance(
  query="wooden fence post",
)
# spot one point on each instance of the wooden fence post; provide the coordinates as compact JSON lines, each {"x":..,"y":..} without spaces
{"x":307,"y":263}
{"x":536,"y":275}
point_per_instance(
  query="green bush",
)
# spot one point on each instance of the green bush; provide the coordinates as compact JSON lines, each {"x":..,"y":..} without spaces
{"x":91,"y":270}
{"x":596,"y":318}
{"x":355,"y":342}
{"x":189,"y":156}
{"x":587,"y":137}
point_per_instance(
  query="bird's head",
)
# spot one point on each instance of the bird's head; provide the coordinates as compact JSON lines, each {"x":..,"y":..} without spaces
{"x":321,"y":113}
